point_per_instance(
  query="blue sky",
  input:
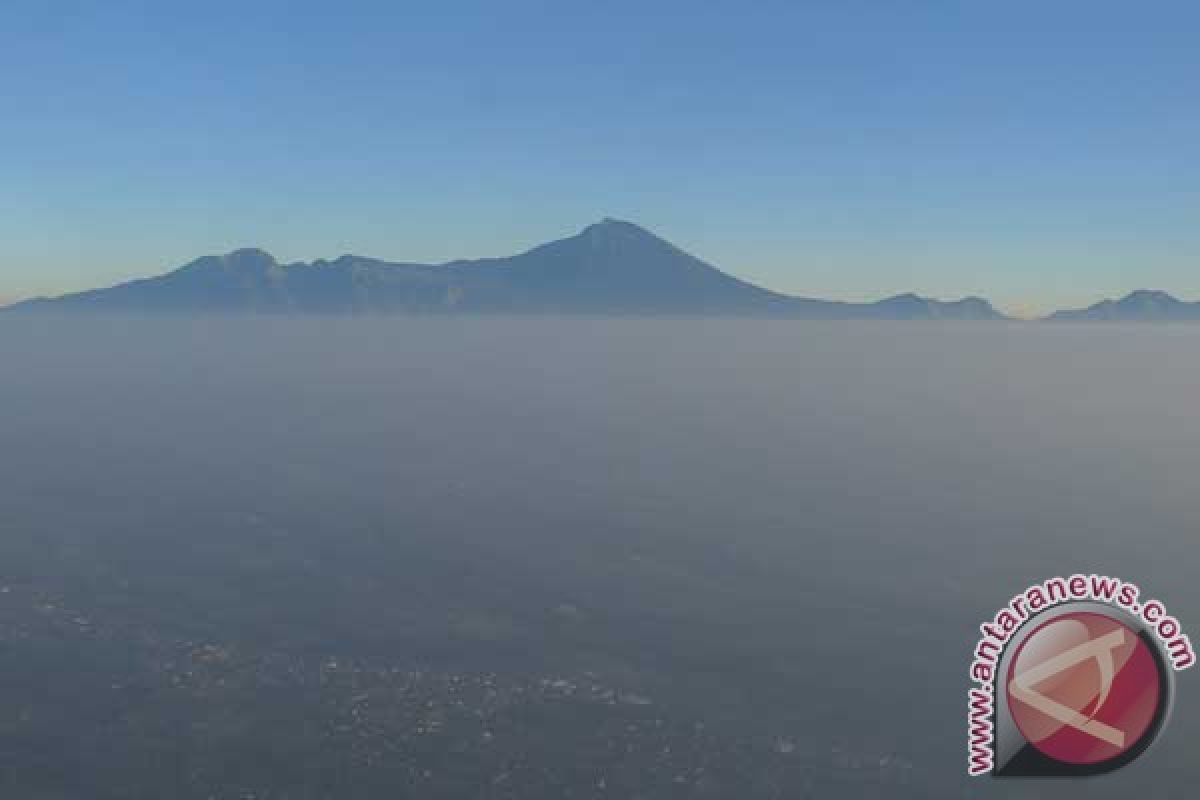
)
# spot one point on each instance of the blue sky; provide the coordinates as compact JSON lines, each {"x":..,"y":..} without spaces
{"x":1040,"y":154}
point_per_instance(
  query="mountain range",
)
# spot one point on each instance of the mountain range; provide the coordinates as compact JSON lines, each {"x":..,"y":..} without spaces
{"x":611,"y":267}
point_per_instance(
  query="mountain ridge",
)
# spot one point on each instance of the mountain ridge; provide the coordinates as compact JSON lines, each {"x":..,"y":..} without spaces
{"x":1140,"y":305}
{"x":610,"y":267}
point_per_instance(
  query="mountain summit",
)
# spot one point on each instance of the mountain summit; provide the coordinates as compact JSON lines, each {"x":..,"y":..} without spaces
{"x":610,"y":267}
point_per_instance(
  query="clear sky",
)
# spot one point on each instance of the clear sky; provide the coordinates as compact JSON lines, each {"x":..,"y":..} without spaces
{"x":1043,"y":154}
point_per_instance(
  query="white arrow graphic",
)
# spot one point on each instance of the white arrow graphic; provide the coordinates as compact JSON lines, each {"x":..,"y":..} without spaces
{"x":1021,"y":686}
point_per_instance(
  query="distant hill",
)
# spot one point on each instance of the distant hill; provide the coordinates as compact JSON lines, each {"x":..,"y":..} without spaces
{"x":611,"y":267}
{"x":1143,"y":305}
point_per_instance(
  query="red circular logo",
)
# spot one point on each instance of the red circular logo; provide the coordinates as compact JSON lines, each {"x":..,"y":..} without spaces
{"x":1084,"y":688}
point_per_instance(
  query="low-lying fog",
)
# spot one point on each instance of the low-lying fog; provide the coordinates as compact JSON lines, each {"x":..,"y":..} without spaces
{"x":762,"y":546}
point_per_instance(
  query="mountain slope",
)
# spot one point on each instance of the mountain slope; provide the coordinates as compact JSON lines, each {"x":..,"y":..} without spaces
{"x":611,"y":267}
{"x":1143,"y":305}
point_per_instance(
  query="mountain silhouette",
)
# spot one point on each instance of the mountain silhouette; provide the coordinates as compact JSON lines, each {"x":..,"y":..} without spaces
{"x":1143,"y":305}
{"x":611,"y":267}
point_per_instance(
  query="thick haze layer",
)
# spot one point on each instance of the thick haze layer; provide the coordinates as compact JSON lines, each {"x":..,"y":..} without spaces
{"x":783,"y":533}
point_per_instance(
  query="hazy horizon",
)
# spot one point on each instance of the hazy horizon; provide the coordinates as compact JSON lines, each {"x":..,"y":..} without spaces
{"x":1014,"y":315}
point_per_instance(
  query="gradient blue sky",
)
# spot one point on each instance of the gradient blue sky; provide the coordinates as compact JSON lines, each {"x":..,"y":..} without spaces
{"x":1043,"y":154}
